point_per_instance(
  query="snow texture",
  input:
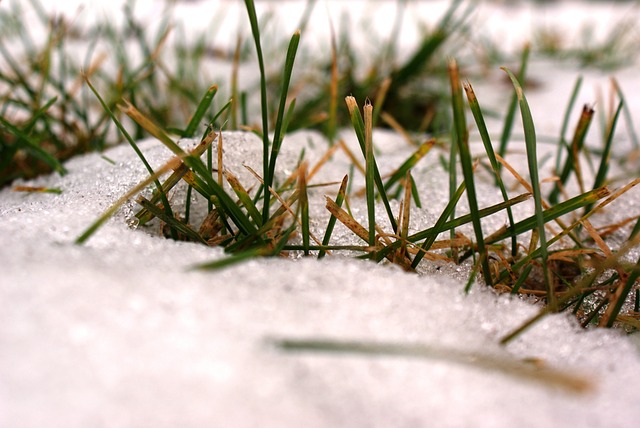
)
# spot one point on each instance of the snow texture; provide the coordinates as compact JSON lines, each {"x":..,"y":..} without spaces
{"x":123,"y":332}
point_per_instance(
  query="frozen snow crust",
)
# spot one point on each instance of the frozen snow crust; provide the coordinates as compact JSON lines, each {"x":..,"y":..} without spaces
{"x":121,"y":332}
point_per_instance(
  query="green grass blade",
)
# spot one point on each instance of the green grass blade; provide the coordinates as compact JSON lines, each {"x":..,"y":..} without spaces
{"x":488,"y":147}
{"x":627,"y":115}
{"x":332,"y":220}
{"x":172,"y":222}
{"x":370,"y":172}
{"x":401,"y":172}
{"x":161,"y":191}
{"x":439,"y":226}
{"x":532,"y":161}
{"x":204,"y":105}
{"x":278,"y":134}
{"x":244,"y":197}
{"x":255,"y":31}
{"x":603,"y":168}
{"x":511,"y":112}
{"x":550,"y":214}
{"x":462,"y":141}
{"x":562,"y":142}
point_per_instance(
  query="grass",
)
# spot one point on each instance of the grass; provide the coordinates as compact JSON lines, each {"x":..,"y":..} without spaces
{"x":273,"y":218}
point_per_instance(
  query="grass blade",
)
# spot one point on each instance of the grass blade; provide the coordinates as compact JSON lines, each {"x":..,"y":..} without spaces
{"x":401,"y":172}
{"x":278,"y":131}
{"x":532,"y":161}
{"x":255,"y":30}
{"x":332,"y":220}
{"x":511,"y":112}
{"x":369,"y":172}
{"x":462,"y":141}
{"x":204,"y":105}
{"x":488,"y":147}
{"x":572,"y":162}
{"x":358,"y":126}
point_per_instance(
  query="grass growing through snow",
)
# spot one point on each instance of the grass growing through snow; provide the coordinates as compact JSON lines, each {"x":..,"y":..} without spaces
{"x":554,"y":254}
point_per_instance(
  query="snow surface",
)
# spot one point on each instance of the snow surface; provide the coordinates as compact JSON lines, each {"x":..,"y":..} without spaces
{"x":122,"y":332}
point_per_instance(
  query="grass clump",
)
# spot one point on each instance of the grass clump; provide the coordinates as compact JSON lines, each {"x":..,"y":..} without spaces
{"x":555,"y":255}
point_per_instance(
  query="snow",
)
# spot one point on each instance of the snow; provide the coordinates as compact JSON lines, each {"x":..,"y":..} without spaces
{"x":123,"y":332}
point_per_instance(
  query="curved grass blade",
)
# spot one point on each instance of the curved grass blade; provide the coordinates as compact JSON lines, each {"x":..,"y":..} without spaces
{"x":488,"y":147}
{"x":532,"y":161}
{"x":511,"y":112}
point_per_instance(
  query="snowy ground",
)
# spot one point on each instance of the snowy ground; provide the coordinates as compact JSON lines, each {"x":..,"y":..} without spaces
{"x":121,"y":332}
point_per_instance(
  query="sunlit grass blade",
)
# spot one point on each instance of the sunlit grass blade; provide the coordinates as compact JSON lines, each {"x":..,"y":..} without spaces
{"x":462,"y":141}
{"x":37,"y":189}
